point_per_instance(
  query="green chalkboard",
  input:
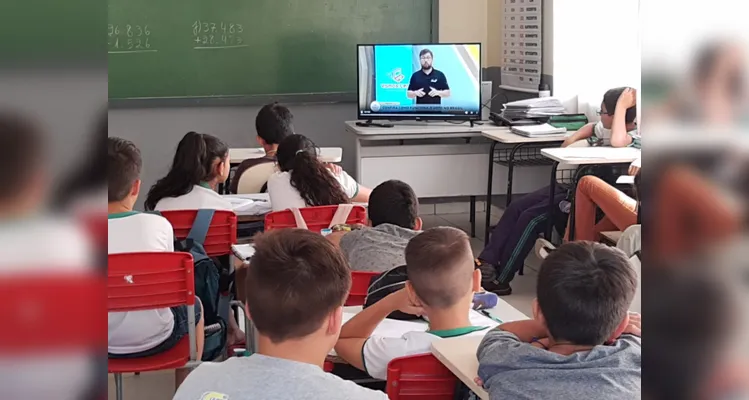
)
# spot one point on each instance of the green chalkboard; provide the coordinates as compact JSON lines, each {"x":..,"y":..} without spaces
{"x":239,"y":48}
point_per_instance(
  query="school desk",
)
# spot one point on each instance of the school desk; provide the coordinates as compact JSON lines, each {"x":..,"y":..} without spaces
{"x":524,"y":151}
{"x":459,"y":354}
{"x":582,"y":157}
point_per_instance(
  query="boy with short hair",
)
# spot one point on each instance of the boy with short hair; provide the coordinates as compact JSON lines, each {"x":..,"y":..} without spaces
{"x":296,"y":285}
{"x":582,"y":343}
{"x":442,"y":280}
{"x":273,"y":123}
{"x":136,"y":334}
{"x":394,"y":219}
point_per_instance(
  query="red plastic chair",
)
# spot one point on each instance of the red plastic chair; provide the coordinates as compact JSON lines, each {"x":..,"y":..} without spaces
{"x":317,"y":218}
{"x":420,"y":377}
{"x":359,"y":286}
{"x":147,"y":281}
{"x":221,"y":235}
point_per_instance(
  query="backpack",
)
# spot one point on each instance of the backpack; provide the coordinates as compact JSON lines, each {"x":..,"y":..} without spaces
{"x":388,"y":282}
{"x":207,"y":278}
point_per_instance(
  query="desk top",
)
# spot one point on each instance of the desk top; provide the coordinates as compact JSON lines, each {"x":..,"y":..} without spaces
{"x":592,"y":155}
{"x":506,"y":136}
{"x":459,"y":356}
{"x":237,"y":155}
{"x":422,"y":130}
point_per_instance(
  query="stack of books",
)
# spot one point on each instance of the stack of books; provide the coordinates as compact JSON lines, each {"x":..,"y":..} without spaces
{"x":542,"y":107}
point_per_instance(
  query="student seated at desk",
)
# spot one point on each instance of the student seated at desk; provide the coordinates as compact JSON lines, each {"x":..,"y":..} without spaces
{"x":274,"y":122}
{"x":582,"y":342}
{"x":525,"y":218}
{"x":393,"y":213}
{"x":442,"y":280}
{"x":137,"y":334}
{"x":305,"y":181}
{"x":200,"y":164}
{"x":296,"y":286}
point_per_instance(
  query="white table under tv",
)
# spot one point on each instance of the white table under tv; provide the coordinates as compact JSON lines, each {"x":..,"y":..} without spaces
{"x":438,"y":159}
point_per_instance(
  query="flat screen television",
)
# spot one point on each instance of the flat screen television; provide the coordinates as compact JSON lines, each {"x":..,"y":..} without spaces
{"x":438,"y":81}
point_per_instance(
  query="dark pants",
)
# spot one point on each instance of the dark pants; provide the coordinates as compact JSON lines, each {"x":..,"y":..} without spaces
{"x":516,"y":233}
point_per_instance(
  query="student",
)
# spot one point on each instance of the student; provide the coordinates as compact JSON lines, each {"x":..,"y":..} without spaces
{"x":581,"y":343}
{"x":442,"y":280}
{"x":296,"y":286}
{"x":273,"y":123}
{"x":137,"y":334}
{"x":394,"y":219}
{"x":304,"y":181}
{"x":200,"y":164}
{"x":525,"y":218}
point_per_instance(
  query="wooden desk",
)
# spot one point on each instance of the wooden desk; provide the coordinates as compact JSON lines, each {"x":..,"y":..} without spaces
{"x":582,"y":157}
{"x":518,"y":142}
{"x":459,"y":356}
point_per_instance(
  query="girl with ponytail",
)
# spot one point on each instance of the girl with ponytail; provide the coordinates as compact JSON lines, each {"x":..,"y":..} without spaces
{"x":200,"y":164}
{"x":305,"y":181}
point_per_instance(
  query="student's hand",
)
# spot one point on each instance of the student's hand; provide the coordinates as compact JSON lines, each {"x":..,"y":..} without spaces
{"x":633,"y":170}
{"x":334,"y":168}
{"x":478,"y":381}
{"x":628,"y":98}
{"x":420,"y":93}
{"x":402,"y":302}
{"x":635,"y":325}
{"x":434,"y":92}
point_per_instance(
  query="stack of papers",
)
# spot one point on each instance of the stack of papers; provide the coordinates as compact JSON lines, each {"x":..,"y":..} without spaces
{"x":537,"y":130}
{"x":533,"y":108}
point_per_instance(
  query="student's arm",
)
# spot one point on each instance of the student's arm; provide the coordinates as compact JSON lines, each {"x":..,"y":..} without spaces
{"x":363,"y":195}
{"x":525,"y":330}
{"x":358,"y":329}
{"x":356,"y":192}
{"x":335,"y":238}
{"x":619,"y":136}
{"x":581,"y":134}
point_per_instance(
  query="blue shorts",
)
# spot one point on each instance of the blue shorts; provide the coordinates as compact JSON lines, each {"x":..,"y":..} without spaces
{"x":180,"y":330}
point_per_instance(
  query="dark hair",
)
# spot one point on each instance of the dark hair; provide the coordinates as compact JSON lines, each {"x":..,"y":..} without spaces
{"x":393,"y":202}
{"x":315,"y":184}
{"x":295,"y":279}
{"x":584,"y":290}
{"x":425,"y":51}
{"x":611,"y":97}
{"x":439,"y":265}
{"x":123,"y":167}
{"x":274,"y":122}
{"x":192,"y":164}
{"x":20,"y":147}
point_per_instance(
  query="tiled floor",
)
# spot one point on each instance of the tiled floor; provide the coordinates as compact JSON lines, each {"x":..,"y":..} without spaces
{"x":160,"y":385}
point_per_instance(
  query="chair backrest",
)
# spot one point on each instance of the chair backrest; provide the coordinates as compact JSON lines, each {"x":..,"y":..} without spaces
{"x":147,"y":281}
{"x":254,"y":178}
{"x":221,"y":234}
{"x":317,"y":218}
{"x":49,"y":310}
{"x":420,"y":377}
{"x":359,"y":285}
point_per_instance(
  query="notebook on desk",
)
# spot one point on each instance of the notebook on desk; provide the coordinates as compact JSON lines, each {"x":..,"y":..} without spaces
{"x":537,"y":130}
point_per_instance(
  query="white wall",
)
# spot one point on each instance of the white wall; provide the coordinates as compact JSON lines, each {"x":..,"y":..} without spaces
{"x":465,"y":21}
{"x":595,"y":48}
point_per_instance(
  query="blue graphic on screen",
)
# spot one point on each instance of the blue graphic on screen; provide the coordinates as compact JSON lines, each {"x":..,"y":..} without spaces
{"x":434,"y":79}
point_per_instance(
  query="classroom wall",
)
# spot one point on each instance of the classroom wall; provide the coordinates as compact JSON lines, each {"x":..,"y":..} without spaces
{"x":157,"y":130}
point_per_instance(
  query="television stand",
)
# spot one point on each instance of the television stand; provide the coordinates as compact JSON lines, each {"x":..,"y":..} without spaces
{"x":369,"y":123}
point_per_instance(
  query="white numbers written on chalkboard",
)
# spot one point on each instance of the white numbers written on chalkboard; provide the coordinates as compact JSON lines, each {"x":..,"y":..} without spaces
{"x":128,"y":38}
{"x":217,"y":34}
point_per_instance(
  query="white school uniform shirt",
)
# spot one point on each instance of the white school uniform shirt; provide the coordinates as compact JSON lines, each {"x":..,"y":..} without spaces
{"x":378,"y":351}
{"x":197,"y":198}
{"x":136,"y":331}
{"x":284,"y":196}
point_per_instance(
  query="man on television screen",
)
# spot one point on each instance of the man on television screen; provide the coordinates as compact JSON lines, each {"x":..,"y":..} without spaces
{"x":428,"y":85}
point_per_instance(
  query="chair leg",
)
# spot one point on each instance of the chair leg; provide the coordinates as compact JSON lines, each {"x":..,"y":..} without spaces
{"x":118,"y":385}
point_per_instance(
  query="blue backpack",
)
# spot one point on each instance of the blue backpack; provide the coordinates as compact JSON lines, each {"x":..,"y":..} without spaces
{"x":207,"y":278}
